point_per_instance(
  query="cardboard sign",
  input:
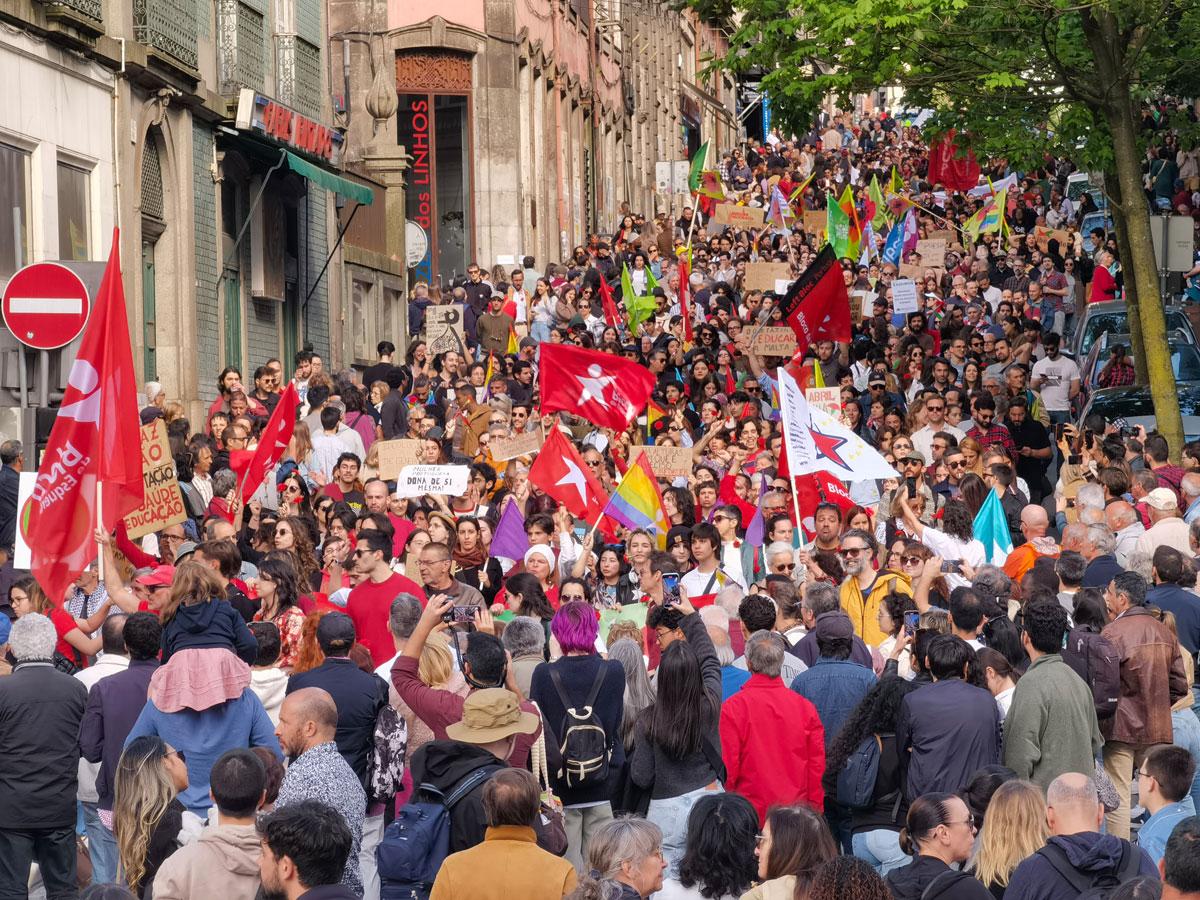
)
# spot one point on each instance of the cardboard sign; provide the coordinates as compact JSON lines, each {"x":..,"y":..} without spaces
{"x":947,"y":235}
{"x":774,"y":342}
{"x":444,"y":328}
{"x":395,"y":455}
{"x":667,"y":462}
{"x":518,"y":445}
{"x":416,"y":481}
{"x":761,"y":276}
{"x":163,"y":502}
{"x":814,"y":221}
{"x":826,"y":399}
{"x":933,"y":253}
{"x":859,"y":305}
{"x":1043,"y":236}
{"x":747,"y":218}
{"x":914,"y":272}
{"x":904,"y":296}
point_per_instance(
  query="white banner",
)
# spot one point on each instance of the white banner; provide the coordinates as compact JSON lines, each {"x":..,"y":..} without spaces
{"x":416,"y":481}
{"x":818,"y":442}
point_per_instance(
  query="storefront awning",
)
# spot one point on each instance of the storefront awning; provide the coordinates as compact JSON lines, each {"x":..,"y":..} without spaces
{"x":352,"y":190}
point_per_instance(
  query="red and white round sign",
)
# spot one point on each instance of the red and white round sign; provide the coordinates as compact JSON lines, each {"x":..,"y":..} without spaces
{"x":45,"y":306}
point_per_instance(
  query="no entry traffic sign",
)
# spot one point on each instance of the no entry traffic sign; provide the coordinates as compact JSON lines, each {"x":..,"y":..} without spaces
{"x":45,"y":306}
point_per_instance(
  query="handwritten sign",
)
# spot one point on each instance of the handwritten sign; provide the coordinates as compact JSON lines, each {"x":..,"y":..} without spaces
{"x":774,"y":342}
{"x":826,"y":399}
{"x":1043,"y":236}
{"x":814,"y":221}
{"x":395,"y":455}
{"x":416,"y":481}
{"x":444,"y":328}
{"x":744,"y":217}
{"x":858,"y":305}
{"x":909,"y":270}
{"x":933,"y":253}
{"x":667,"y":462}
{"x":947,"y":235}
{"x":904,"y":296}
{"x":761,"y":276}
{"x":518,"y":445}
{"x":163,"y":503}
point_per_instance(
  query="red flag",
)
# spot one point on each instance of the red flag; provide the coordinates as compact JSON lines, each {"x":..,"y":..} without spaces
{"x":948,"y":168}
{"x":271,"y":444}
{"x":611,"y":315}
{"x":817,"y":305}
{"x":817,"y":488}
{"x":560,"y":471}
{"x":605,"y":389}
{"x":685,"y":289}
{"x":94,"y":447}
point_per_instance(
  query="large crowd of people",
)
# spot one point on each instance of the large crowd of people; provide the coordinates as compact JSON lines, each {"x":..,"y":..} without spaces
{"x":328,"y":690}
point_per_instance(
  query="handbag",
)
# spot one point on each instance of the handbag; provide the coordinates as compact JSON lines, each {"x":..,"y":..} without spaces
{"x":552,"y":830}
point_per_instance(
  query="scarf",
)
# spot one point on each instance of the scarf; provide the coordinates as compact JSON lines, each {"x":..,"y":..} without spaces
{"x":469,"y":560}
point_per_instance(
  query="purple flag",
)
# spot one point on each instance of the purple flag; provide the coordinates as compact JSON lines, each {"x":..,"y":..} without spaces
{"x":509,"y":539}
{"x":756,"y":530}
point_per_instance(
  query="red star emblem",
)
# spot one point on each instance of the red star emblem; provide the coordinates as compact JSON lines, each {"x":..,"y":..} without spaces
{"x":829,"y":446}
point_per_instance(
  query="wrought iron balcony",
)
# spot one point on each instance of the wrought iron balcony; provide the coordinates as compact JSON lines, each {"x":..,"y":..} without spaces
{"x":167,"y":27}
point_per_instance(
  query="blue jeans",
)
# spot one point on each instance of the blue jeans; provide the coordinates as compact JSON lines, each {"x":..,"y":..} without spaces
{"x":102,"y":847}
{"x":881,"y":849}
{"x":671,"y":815}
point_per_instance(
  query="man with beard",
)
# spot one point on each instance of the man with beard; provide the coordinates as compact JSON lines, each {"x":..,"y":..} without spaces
{"x":1033,"y":447}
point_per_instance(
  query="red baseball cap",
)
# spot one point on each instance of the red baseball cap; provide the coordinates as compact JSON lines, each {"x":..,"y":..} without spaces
{"x":161,"y":575}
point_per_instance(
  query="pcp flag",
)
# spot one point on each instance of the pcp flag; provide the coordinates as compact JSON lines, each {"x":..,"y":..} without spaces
{"x":991,"y":530}
{"x":94,"y":451}
{"x":605,"y":389}
{"x":955,"y":171}
{"x":272,"y":443}
{"x":561,"y":473}
{"x":817,"y":442}
{"x":817,"y":306}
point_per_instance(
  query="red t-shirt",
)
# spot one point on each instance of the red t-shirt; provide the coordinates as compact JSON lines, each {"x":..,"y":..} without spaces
{"x":369,"y":607}
{"x":64,"y":623}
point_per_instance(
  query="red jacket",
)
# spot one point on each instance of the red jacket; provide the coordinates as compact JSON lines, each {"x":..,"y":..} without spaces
{"x":773,"y":745}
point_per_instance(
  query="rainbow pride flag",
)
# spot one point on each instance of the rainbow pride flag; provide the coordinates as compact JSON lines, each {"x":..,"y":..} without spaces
{"x":637,"y":502}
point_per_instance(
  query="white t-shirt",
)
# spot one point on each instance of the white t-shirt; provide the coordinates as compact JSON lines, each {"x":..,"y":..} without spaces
{"x":952,"y":549}
{"x":1056,"y":376}
{"x":696,"y":583}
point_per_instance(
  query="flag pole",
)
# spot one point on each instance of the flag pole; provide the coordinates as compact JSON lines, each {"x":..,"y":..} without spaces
{"x":786,"y":419}
{"x":100,"y":524}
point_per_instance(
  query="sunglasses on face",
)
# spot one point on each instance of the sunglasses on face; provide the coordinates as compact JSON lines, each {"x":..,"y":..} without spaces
{"x":851,"y":551}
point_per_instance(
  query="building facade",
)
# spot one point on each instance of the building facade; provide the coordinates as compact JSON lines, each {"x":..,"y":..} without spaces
{"x":206,"y":133}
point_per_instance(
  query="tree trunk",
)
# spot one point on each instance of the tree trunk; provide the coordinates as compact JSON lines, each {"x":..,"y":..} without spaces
{"x":1113,"y":187}
{"x":1142,"y":270}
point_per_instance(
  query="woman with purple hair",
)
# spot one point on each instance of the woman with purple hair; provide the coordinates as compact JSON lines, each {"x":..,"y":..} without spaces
{"x":564,"y":690}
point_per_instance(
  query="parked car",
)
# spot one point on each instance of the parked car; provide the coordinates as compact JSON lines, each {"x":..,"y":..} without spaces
{"x":1113,"y":316}
{"x":1185,"y":359}
{"x":1134,"y":405}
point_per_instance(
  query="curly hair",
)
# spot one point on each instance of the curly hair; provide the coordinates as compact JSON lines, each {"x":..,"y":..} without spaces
{"x":847,"y":878}
{"x":719,"y":857}
{"x":876,"y":713}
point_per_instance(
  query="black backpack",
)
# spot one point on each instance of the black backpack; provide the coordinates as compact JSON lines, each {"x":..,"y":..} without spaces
{"x":1097,"y":662}
{"x":584,"y":747}
{"x":857,"y":778}
{"x":1094,"y":885}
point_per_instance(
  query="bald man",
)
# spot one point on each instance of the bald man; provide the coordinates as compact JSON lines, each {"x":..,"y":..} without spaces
{"x":1074,"y":814}
{"x":1126,"y":526}
{"x":307,"y":724}
{"x":1034,"y":525}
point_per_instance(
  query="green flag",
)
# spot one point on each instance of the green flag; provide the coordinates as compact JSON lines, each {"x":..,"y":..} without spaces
{"x":697,"y":167}
{"x":837,"y":227}
{"x":637,"y":309}
{"x":875,"y":193}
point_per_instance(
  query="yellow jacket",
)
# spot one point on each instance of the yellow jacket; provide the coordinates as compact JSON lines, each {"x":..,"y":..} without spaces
{"x":863,"y":610}
{"x":507,"y":865}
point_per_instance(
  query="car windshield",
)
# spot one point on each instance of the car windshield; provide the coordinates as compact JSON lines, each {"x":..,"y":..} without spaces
{"x":1118,"y":321}
{"x":1118,"y":402}
{"x":1185,"y":362}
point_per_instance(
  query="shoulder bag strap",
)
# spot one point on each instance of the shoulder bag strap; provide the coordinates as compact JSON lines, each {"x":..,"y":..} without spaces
{"x":468,"y":784}
{"x":1058,"y":860}
{"x":714,"y":758}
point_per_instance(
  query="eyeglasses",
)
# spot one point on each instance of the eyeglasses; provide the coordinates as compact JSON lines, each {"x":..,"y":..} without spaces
{"x":955,"y":464}
{"x":911,"y":560}
{"x":179,"y":753}
{"x":851,"y":551}
{"x":969,"y":822}
{"x":785,"y":567}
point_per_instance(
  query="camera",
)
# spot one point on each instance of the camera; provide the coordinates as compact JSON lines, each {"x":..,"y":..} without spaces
{"x":456,"y":615}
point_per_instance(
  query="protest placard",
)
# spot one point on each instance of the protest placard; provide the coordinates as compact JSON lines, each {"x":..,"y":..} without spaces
{"x":858,"y":305}
{"x":395,"y":455}
{"x":444,"y":328}
{"x":744,"y":217}
{"x":667,"y":462}
{"x":904,"y":296}
{"x":826,"y":399}
{"x":518,"y":445}
{"x":416,"y":481}
{"x":909,"y":270}
{"x":774,"y":342}
{"x":1043,"y":236}
{"x":814,"y":221}
{"x":947,"y":235}
{"x":162,"y":504}
{"x":630,"y":612}
{"x":761,"y":276}
{"x":933,"y":253}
